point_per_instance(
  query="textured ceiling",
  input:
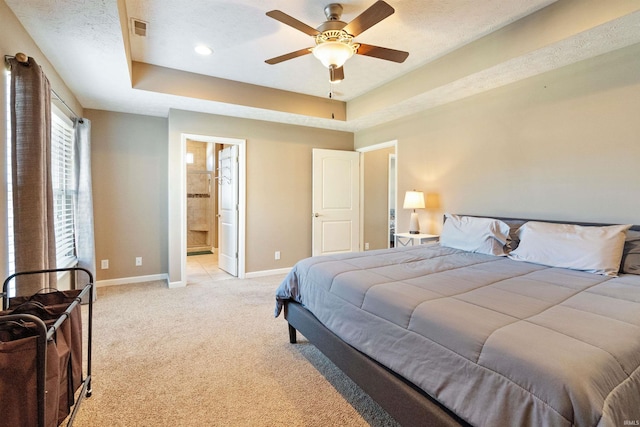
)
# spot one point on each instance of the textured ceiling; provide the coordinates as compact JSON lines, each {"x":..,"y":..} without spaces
{"x":83,"y":40}
{"x":242,"y":37}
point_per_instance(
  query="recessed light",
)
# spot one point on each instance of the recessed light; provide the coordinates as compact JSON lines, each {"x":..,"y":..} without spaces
{"x":203,"y":50}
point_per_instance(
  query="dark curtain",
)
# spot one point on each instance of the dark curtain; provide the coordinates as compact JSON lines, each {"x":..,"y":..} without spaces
{"x":33,"y":220}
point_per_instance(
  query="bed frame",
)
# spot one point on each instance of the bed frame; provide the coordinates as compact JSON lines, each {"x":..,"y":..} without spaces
{"x":405,"y":402}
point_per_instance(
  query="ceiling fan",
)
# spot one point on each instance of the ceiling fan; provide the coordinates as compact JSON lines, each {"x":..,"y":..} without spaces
{"x":334,"y":42}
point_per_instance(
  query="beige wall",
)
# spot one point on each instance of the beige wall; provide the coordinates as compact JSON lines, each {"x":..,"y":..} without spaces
{"x":129,"y":162}
{"x":376,"y":198}
{"x":14,"y":39}
{"x":278,"y":198}
{"x":561,"y":145}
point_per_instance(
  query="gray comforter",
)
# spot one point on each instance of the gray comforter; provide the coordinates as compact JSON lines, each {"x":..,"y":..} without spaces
{"x":499,"y":342}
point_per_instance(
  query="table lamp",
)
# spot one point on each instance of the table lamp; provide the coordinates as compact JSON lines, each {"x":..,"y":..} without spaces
{"x":414,"y":200}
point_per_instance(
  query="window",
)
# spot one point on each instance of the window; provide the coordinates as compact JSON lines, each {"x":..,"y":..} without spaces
{"x":10,"y":252}
{"x":63,"y":176}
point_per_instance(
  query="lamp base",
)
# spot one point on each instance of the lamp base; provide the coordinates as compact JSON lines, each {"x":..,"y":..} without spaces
{"x":414,"y":225}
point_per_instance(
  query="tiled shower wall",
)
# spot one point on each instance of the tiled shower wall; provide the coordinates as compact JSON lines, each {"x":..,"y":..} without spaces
{"x":200,"y":197}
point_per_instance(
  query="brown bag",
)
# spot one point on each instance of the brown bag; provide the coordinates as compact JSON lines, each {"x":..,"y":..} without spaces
{"x":62,"y":337}
{"x":58,"y":302}
{"x":18,"y":377}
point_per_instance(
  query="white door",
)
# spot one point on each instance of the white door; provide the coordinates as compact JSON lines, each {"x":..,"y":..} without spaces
{"x":336,"y":202}
{"x":228,"y":210}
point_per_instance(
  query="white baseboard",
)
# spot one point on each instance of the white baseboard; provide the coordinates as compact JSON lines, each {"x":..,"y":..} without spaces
{"x":128,"y":280}
{"x":254,"y":274}
{"x":179,"y":284}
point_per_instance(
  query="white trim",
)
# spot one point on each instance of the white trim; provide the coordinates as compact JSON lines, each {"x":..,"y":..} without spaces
{"x":129,"y":280}
{"x":374,"y":147}
{"x":361,"y":201}
{"x":395,"y":192}
{"x":263,"y":273}
{"x":173,"y":285}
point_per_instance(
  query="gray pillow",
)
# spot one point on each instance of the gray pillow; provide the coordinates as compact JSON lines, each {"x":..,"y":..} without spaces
{"x":631,"y":253}
{"x":514,"y":226}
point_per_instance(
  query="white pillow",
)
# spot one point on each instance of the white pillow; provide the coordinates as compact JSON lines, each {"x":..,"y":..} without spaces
{"x":482,"y":235}
{"x":588,"y":248}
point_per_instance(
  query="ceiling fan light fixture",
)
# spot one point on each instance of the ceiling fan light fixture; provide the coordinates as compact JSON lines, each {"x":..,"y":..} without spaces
{"x":333,"y":48}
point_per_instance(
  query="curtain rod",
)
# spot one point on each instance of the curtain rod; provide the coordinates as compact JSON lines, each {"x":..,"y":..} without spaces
{"x":24,"y":60}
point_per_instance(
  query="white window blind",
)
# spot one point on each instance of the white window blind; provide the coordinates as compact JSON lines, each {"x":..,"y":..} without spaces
{"x":63,"y":187}
{"x":10,"y":250}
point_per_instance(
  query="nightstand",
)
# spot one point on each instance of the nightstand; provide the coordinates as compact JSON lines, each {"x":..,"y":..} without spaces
{"x":403,"y":239}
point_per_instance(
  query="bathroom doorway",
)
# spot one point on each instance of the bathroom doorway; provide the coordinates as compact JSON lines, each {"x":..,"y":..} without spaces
{"x":178,"y":186}
{"x":202,"y":206}
{"x":202,"y":221}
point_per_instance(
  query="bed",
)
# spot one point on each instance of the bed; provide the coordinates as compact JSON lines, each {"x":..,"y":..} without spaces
{"x":440,"y":335}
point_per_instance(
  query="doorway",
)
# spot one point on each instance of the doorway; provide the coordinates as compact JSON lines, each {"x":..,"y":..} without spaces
{"x":198,"y":266}
{"x":379,"y":195}
{"x":392,"y":199}
{"x":203,"y":263}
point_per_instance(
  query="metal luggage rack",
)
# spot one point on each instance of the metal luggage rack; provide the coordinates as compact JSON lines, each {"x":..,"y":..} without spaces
{"x":46,"y":335}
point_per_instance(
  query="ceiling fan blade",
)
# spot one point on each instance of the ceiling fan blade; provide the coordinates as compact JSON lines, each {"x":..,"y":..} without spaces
{"x":370,"y":17}
{"x":288,"y":56}
{"x":382,"y":53}
{"x":292,"y":22}
{"x":336,"y":75}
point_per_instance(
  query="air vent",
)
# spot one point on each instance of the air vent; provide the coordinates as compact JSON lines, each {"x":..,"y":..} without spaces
{"x":139,"y":27}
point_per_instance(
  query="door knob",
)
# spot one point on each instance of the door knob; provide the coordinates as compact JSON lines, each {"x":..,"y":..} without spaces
{"x":316,"y":214}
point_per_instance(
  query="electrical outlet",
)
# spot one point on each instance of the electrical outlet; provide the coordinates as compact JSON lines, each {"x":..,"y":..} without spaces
{"x":104,"y":264}
{"x":138,"y":261}
{"x":366,"y":246}
{"x":277,"y":255}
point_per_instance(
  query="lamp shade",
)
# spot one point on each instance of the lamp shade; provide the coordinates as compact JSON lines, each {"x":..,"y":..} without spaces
{"x":333,"y":54}
{"x":413,"y":200}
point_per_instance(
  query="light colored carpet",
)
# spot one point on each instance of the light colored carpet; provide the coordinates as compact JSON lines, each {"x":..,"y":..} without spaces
{"x":211,"y":354}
